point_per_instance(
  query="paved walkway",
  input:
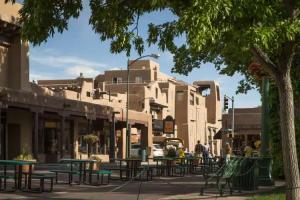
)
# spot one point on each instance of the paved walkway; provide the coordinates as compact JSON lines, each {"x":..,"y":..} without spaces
{"x":172,"y":188}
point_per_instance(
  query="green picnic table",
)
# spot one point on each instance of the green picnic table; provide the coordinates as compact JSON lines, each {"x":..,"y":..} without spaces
{"x":18,"y":173}
{"x":82,"y":168}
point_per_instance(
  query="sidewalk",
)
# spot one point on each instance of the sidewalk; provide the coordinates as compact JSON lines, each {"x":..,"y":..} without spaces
{"x":161,"y":188}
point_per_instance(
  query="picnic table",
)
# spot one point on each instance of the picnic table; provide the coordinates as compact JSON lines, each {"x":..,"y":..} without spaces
{"x":132,"y":167}
{"x":82,"y":170}
{"x":167,"y":164}
{"x":18,"y":173}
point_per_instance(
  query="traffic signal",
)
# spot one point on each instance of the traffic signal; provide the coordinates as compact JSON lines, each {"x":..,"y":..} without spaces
{"x":225,"y":103}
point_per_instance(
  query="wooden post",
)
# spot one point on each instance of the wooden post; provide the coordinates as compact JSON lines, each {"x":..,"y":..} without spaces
{"x":35,"y":142}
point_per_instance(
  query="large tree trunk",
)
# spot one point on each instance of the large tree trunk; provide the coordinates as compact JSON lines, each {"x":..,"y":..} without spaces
{"x":288,"y":137}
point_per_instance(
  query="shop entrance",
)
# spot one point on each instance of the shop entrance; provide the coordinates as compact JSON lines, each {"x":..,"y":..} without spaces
{"x":51,"y":145}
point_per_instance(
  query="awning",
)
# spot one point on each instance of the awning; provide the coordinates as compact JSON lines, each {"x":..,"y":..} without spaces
{"x":218,"y":135}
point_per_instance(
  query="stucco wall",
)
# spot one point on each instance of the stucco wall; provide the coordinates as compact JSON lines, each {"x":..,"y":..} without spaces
{"x":24,"y":119}
{"x":9,"y":11}
{"x":3,"y":66}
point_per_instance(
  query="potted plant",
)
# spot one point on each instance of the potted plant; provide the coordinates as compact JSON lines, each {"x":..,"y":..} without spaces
{"x":96,"y":165}
{"x":25,"y":157}
{"x":90,"y":139}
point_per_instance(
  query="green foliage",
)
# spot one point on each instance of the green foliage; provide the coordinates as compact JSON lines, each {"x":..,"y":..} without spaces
{"x":217,"y":31}
{"x":24,"y":156}
{"x":171,"y":152}
{"x":91,"y":138}
{"x":274,"y":196}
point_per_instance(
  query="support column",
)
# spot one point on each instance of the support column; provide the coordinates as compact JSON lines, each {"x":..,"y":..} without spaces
{"x":112,"y":140}
{"x":35,"y":142}
{"x":61,"y":136}
{"x":1,"y":136}
{"x":265,"y":163}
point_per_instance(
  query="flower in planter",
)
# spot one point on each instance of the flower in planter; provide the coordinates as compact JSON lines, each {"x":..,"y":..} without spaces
{"x":171,"y":152}
{"x":90,"y":139}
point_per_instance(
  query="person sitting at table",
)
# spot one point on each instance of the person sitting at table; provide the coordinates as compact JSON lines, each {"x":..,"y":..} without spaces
{"x":181,"y":153}
{"x":248,"y":151}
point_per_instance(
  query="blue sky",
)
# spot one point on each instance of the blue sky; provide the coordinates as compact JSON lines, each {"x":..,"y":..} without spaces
{"x":80,"y":50}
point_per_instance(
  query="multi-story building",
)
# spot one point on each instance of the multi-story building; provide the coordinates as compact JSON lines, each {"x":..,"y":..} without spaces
{"x":197,"y":115}
{"x":50,"y":119}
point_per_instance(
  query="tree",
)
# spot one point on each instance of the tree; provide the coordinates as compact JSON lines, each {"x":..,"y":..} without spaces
{"x":229,"y":33}
{"x":274,"y":120}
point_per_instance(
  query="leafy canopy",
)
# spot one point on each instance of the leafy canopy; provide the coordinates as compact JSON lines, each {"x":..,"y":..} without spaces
{"x":218,"y":31}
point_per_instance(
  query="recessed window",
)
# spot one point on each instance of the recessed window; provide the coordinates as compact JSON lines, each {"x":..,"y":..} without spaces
{"x":197,"y":100}
{"x":192,"y":99}
{"x":138,"y":79}
{"x":218,"y":93}
{"x":179,"y":95}
{"x":204,"y":90}
{"x":117,"y":80}
{"x":88,"y":94}
{"x":156,"y":92}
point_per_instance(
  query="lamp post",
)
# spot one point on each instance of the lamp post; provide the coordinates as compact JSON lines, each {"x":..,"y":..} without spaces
{"x":112,"y":137}
{"x":128,"y":142}
{"x":265,"y":161}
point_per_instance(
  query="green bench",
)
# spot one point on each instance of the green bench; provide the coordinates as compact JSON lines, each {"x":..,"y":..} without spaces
{"x":42,"y":178}
{"x":70,"y":174}
{"x":224,"y":175}
{"x":2,"y":177}
{"x":101,"y":173}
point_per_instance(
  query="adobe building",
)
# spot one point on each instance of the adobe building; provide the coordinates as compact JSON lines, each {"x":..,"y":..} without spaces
{"x":247,"y":126}
{"x":197,"y":115}
{"x":49,"y":119}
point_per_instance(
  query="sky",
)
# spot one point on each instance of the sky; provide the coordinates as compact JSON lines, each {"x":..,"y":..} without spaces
{"x":79,"y":49}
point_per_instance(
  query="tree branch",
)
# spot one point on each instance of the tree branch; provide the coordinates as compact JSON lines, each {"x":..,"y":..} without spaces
{"x":286,"y":56}
{"x":264,"y":59}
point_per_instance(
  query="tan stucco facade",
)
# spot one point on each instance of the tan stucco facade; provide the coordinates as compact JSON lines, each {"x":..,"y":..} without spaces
{"x":247,"y":126}
{"x":154,"y":92}
{"x":50,"y":117}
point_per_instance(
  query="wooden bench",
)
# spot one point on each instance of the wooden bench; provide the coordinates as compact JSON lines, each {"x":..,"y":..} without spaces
{"x":225,"y":173}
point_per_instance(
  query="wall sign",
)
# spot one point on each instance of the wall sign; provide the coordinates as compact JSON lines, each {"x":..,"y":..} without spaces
{"x":169,"y":125}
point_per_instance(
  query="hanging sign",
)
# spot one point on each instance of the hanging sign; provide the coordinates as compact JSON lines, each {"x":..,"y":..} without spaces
{"x":169,"y":125}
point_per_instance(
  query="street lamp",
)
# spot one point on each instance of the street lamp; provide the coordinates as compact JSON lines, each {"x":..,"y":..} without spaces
{"x":128,"y":142}
{"x":112,"y":146}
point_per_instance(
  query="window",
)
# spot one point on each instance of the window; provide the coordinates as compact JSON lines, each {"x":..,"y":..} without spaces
{"x":197,"y":100}
{"x":167,"y":97}
{"x":204,"y":90}
{"x":88,"y":94}
{"x":156,"y":92}
{"x":218,"y":93}
{"x":138,"y":79}
{"x":179,"y":95}
{"x":117,"y":80}
{"x":192,"y":99}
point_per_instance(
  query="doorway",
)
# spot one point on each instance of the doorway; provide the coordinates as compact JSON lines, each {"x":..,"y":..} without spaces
{"x":14,"y":140}
{"x":3,"y":135}
{"x":51,"y":145}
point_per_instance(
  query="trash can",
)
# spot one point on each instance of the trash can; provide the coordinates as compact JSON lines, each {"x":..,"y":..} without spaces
{"x":247,"y":178}
{"x":143,"y":155}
